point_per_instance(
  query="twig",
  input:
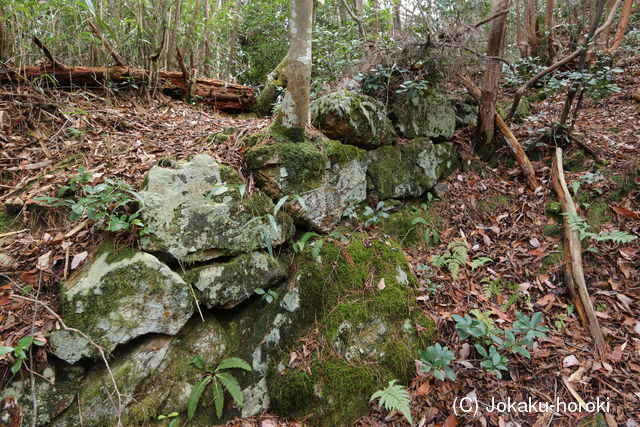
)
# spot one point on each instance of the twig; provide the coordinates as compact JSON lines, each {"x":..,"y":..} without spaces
{"x":573,"y":243}
{"x":118,"y":406}
{"x":11,"y":233}
{"x":54,"y":62}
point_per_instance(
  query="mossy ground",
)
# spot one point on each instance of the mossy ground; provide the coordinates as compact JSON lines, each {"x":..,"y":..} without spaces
{"x":7,"y":223}
{"x":406,"y":227}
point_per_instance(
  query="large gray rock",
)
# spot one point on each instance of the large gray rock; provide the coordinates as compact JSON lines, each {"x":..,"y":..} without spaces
{"x":154,"y":377}
{"x":429,"y":115}
{"x":118,"y":298}
{"x":327,"y":175}
{"x":197,"y":211}
{"x":353,"y":118}
{"x":225,"y":285}
{"x":409,"y":169}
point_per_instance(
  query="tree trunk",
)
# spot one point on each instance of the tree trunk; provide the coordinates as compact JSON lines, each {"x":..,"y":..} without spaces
{"x":573,"y":90}
{"x":622,"y":27}
{"x":269,"y":95}
{"x":521,"y":40}
{"x":397,"y":22}
{"x":603,"y":39}
{"x":233,"y":40}
{"x":549,"y":32}
{"x":173,"y":36}
{"x":3,"y":36}
{"x":205,"y":50}
{"x":376,"y":22}
{"x":530,"y":23}
{"x":295,"y":106}
{"x":486,"y":119}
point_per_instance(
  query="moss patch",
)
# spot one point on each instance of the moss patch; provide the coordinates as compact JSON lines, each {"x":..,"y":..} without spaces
{"x":598,"y":214}
{"x":367,"y":335}
{"x":401,"y":228}
{"x":7,"y":222}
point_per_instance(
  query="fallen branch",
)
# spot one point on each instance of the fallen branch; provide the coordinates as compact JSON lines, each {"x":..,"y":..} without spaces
{"x":512,"y":141}
{"x":572,"y":242}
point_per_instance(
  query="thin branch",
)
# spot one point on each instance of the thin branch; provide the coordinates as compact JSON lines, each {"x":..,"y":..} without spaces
{"x":54,"y":62}
{"x":491,"y":18}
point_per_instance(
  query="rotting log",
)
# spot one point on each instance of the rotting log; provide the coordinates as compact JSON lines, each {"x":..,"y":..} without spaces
{"x":573,"y":259}
{"x":222,"y":95}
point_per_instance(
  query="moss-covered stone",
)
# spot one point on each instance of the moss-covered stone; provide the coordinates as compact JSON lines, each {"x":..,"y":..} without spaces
{"x":196,"y":211}
{"x":575,"y":161}
{"x":225,"y":285}
{"x":7,"y":223}
{"x":409,"y":169}
{"x":353,"y":118}
{"x":276,"y":81}
{"x":119,"y":297}
{"x":429,"y":114}
{"x":325,"y":174}
{"x":362,"y":297}
{"x":598,"y":214}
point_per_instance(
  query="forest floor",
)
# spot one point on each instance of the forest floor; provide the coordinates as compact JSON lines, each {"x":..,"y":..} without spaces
{"x":46,"y":136}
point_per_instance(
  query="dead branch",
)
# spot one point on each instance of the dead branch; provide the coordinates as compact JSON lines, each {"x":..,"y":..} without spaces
{"x":512,"y":141}
{"x":574,"y":264}
{"x":112,"y":52}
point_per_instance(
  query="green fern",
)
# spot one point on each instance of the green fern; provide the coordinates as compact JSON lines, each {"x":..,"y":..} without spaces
{"x":454,"y":258}
{"x":394,"y":398}
{"x":491,"y":288}
{"x":615,"y":236}
{"x":479,"y":262}
{"x":220,"y":381}
{"x":579,"y":225}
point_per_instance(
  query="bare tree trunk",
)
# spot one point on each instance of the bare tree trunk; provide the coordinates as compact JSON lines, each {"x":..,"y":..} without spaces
{"x":397,"y":22}
{"x":233,"y":40}
{"x":3,"y":36}
{"x":174,"y":31}
{"x":376,"y":22}
{"x":603,"y":39}
{"x":295,"y":105}
{"x":530,"y":23}
{"x":622,"y":27}
{"x":550,"y":33}
{"x":485,"y":130}
{"x":573,"y":90}
{"x":521,"y":40}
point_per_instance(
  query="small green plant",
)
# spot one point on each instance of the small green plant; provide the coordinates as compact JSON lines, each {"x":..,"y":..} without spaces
{"x":531,"y":327}
{"x":394,"y":397}
{"x":272,"y":230}
{"x":413,"y":89}
{"x":424,"y":273}
{"x":491,"y":287}
{"x":492,"y":360}
{"x":375,"y":216}
{"x":269,"y":295}
{"x":173,"y":416}
{"x":466,"y":327}
{"x":110,"y":200}
{"x":479,"y":262}
{"x":431,"y":235}
{"x":219,"y":381}
{"x":438,"y":359}
{"x":454,"y":258}
{"x":19,"y":351}
{"x":304,"y":240}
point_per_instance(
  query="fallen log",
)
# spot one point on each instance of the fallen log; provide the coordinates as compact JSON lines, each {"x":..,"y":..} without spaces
{"x":222,"y":95}
{"x":574,"y":272}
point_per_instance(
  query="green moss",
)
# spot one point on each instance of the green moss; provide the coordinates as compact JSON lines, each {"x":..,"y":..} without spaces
{"x":575,"y":161}
{"x":552,"y":230}
{"x":493,"y":203}
{"x":399,"y":226}
{"x":367,"y":335}
{"x":7,"y":222}
{"x":598,"y":214}
{"x":221,"y":137}
{"x":553,"y":208}
{"x":342,"y":153}
{"x":304,"y":163}
{"x":552,"y":259}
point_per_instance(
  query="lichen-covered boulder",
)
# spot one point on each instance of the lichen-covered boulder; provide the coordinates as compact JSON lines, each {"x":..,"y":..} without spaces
{"x":360,"y":297}
{"x":225,"y":285}
{"x":353,"y":118}
{"x":198,"y":211}
{"x":429,"y":114}
{"x":117,"y":298}
{"x":327,"y":175}
{"x":53,"y":393}
{"x":154,"y":377}
{"x":409,"y":169}
{"x":466,"y":112}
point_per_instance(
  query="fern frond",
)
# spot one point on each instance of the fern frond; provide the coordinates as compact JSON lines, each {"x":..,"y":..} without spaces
{"x":479,"y":262}
{"x":454,"y":268}
{"x":194,"y":396}
{"x":218,"y":398}
{"x":394,"y":398}
{"x":615,"y":236}
{"x":230,"y":383}
{"x":438,"y":261}
{"x":233,"y":363}
{"x":579,"y":225}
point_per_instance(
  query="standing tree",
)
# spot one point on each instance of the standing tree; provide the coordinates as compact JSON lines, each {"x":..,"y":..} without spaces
{"x":295,"y":105}
{"x":486,"y":119}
